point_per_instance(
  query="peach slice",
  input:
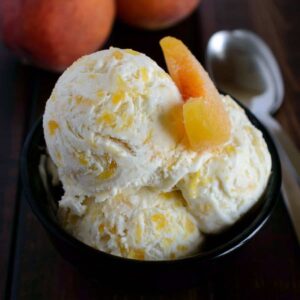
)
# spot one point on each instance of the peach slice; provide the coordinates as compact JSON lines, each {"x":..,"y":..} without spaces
{"x":206,"y":121}
{"x":190,"y":77}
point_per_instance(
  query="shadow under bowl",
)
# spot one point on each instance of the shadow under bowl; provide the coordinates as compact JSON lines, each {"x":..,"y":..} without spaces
{"x":134,"y":274}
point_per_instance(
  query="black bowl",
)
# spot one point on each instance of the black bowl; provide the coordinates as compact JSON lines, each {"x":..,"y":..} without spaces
{"x":128,"y":273}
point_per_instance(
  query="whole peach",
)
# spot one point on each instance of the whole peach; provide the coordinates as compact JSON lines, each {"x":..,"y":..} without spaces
{"x":154,"y":14}
{"x":53,"y":33}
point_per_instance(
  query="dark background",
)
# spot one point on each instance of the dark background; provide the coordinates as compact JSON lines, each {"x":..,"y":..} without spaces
{"x":267,"y":267}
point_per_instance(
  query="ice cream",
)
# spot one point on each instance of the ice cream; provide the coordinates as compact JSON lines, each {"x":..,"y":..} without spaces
{"x":137,"y":224}
{"x":232,"y":179}
{"x":113,"y":122}
{"x":133,"y":185}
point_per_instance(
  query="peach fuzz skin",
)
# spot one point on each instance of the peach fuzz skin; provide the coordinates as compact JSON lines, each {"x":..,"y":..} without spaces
{"x":154,"y":14}
{"x":53,"y":34}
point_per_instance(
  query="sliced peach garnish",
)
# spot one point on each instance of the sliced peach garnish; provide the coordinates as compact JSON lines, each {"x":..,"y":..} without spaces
{"x":206,"y":123}
{"x":205,"y":119}
{"x":186,"y":71}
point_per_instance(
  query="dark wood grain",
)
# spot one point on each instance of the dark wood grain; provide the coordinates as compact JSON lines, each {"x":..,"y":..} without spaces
{"x":267,"y":267}
{"x":15,"y":95}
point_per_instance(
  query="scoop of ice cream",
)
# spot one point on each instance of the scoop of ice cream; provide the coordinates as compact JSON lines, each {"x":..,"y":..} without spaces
{"x":142,"y":224}
{"x":230,"y":180}
{"x":114,"y":121}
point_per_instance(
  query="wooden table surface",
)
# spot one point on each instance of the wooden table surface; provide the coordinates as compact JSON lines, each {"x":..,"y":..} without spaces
{"x":267,"y":267}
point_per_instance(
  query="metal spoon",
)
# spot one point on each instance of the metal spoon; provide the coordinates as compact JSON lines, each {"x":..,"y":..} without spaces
{"x":241,"y":64}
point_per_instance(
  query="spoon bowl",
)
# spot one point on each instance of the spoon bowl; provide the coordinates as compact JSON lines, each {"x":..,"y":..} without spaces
{"x":242,"y":64}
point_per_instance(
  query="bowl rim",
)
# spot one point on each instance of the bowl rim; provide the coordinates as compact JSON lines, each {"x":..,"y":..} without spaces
{"x":221,"y":250}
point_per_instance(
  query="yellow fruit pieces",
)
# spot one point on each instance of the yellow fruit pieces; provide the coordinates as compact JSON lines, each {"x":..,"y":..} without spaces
{"x":205,"y":119}
{"x":206,"y":123}
{"x":186,"y":71}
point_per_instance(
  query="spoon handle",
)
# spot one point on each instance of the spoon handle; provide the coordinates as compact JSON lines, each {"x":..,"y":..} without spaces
{"x":291,"y":197}
{"x":282,"y":139}
{"x":290,"y":186}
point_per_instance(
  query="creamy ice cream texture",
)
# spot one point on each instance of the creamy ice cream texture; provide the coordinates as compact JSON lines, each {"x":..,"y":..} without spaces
{"x":137,"y":224}
{"x":112,"y":122}
{"x":133,"y":187}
